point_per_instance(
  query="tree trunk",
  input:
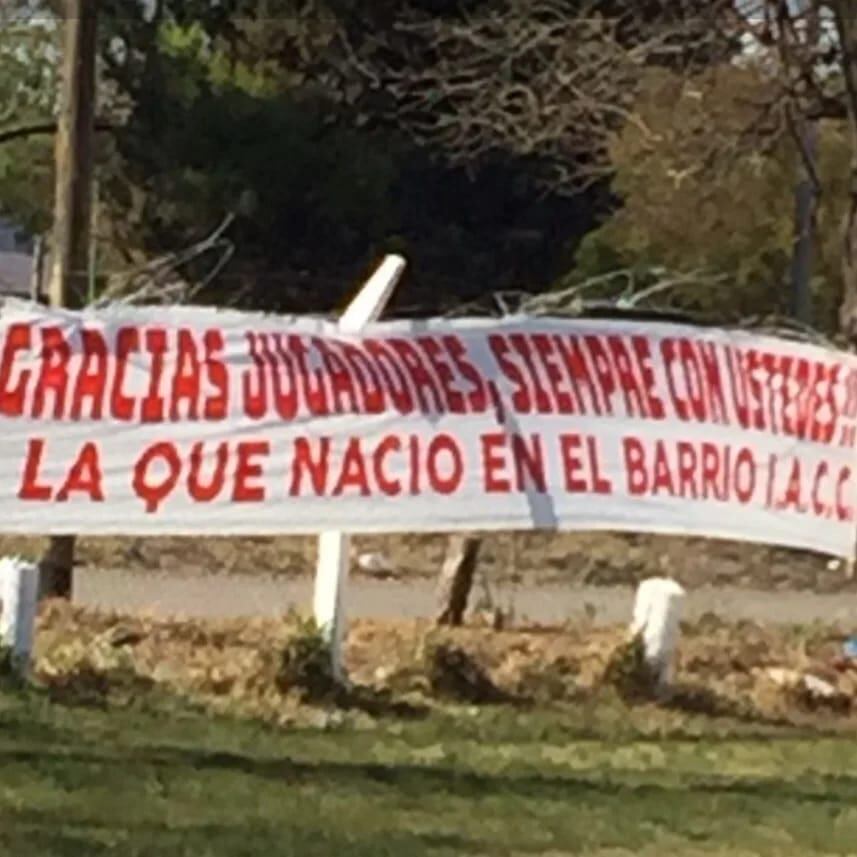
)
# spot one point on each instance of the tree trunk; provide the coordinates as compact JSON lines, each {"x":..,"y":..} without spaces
{"x":456,"y":579}
{"x":848,"y":307}
{"x":806,"y":197}
{"x":845,"y":17}
{"x":845,"y":20}
{"x":72,"y":212}
{"x":56,"y":568}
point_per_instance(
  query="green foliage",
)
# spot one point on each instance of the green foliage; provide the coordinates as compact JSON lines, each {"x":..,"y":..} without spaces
{"x":257,"y":108}
{"x":629,"y":673}
{"x":455,"y":674}
{"x":28,"y":74}
{"x":6,"y":666}
{"x":28,"y":68}
{"x":235,"y":107}
{"x":699,"y":192}
{"x":305,"y":664}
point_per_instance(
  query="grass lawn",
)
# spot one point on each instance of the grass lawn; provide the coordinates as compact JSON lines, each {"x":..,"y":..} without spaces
{"x":161,"y":779}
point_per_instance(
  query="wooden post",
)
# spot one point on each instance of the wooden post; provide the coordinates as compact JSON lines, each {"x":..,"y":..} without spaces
{"x":456,"y":579}
{"x":72,"y":213}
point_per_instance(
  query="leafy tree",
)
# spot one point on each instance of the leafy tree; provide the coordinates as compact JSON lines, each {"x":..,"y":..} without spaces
{"x":697,"y":195}
{"x":27,"y":91}
{"x":706,"y":179}
{"x":302,"y":119}
{"x":261,"y":120}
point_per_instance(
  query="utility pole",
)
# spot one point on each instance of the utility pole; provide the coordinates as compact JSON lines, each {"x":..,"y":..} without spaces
{"x":72,"y":213}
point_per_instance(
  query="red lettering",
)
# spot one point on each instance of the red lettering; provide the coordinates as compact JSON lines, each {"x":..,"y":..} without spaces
{"x":819,"y":507}
{"x":600,"y":484}
{"x":352,"y":474}
{"x":548,"y":357}
{"x":12,"y":399}
{"x":153,"y":403}
{"x":527,"y":460}
{"x":255,"y":381}
{"x":494,"y":463}
{"x":740,"y":393}
{"x":312,"y":380}
{"x":754,"y":368}
{"x":316,"y":468}
{"x":92,"y":378}
{"x":342,"y":386}
{"x":635,"y":466}
{"x":669,"y":356}
{"x":246,"y":489}
{"x":792,"y":496}
{"x":849,"y":410}
{"x":745,"y":476}
{"x":367,"y":378}
{"x":218,"y":377}
{"x":284,"y":378}
{"x":662,"y":480}
{"x":572,"y":464}
{"x":199,"y":490}
{"x":477,"y":397}
{"x":575,"y":364}
{"x":428,"y":394}
{"x":390,"y":487}
{"x":127,"y":341}
{"x":844,"y":510}
{"x":521,"y":401}
{"x":30,"y":488}
{"x":713,"y":482}
{"x":687,"y":470}
{"x":440,"y":447}
{"x":529,"y":463}
{"x":154,"y":493}
{"x":540,"y":397}
{"x":712,"y":379}
{"x":436,"y":354}
{"x":692,"y":380}
{"x":394,"y":380}
{"x":634,"y":401}
{"x":603,"y":370}
{"x":84,"y":476}
{"x":654,"y":405}
{"x":53,"y":377}
{"x":825,"y":429}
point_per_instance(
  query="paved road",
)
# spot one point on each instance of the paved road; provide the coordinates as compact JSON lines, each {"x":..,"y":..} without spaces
{"x":238,"y":596}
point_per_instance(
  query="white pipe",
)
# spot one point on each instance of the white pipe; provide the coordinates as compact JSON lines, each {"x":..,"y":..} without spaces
{"x":372,"y":299}
{"x":657,"y":613}
{"x":19,"y":592}
{"x":331,"y":576}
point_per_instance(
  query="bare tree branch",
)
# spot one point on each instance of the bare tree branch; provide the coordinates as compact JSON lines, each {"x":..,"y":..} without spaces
{"x":37,"y":129}
{"x":526,"y":78}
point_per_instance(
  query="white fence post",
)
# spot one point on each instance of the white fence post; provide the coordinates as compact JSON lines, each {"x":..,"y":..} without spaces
{"x":657,"y":612}
{"x":19,"y":593}
{"x":331,"y":574}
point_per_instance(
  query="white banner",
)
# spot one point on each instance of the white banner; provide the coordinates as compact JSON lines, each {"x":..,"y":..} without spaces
{"x":195,"y":421}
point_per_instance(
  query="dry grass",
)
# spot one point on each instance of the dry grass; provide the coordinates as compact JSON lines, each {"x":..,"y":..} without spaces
{"x":238,"y":666}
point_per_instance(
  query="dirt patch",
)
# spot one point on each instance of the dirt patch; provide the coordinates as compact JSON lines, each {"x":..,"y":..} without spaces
{"x":597,"y":559}
{"x":723,"y":670}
